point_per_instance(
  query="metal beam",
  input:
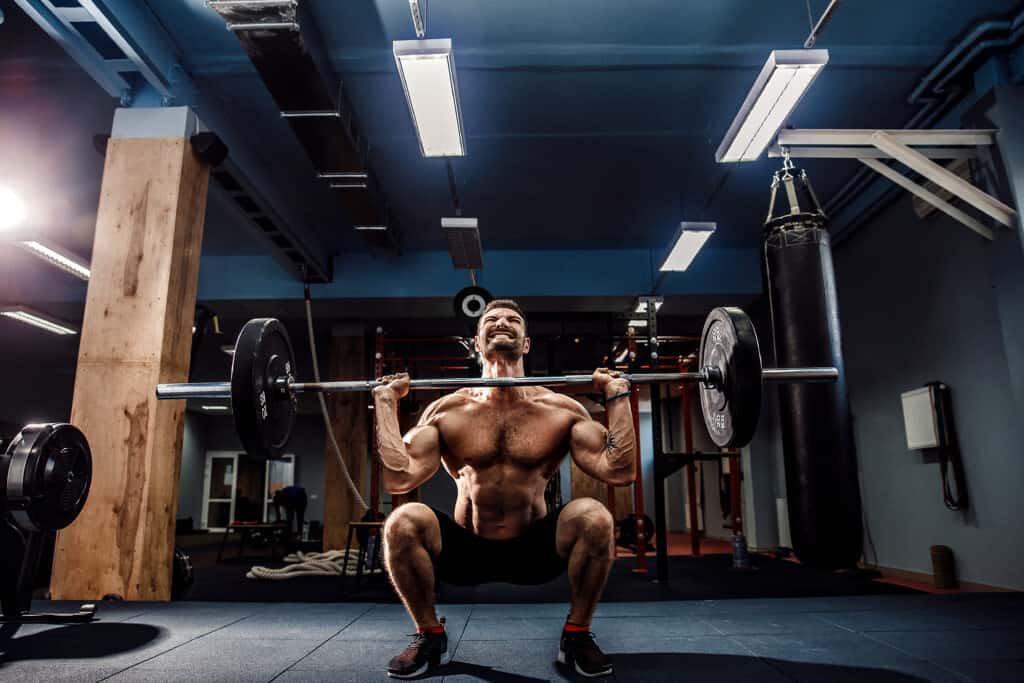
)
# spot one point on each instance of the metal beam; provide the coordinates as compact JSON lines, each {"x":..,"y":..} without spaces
{"x":864,"y":137}
{"x":930,"y":197}
{"x":945,"y":179}
{"x":313,"y":256}
{"x":867,"y":152}
{"x":77,"y":47}
{"x":135,"y":31}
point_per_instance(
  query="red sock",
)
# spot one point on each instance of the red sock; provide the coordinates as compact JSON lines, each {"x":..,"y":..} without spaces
{"x":433,"y":629}
{"x":574,"y":628}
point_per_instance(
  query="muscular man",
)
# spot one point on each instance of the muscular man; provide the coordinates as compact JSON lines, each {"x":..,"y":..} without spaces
{"x":501,"y":446}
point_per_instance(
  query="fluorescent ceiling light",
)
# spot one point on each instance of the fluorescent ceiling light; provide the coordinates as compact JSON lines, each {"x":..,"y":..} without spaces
{"x":689,"y":239}
{"x":427,"y":70}
{"x":12,"y":209}
{"x":62,"y":260}
{"x":371,"y":227}
{"x":39,"y":320}
{"x":212,"y":408}
{"x":638,"y":323}
{"x":785,"y":78}
{"x":641,"y":306}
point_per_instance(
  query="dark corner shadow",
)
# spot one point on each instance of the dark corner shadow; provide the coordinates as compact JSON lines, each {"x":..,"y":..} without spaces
{"x":79,"y":641}
{"x":674,"y":666}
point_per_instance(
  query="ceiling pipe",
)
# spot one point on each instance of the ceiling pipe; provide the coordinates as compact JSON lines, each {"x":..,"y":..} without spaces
{"x":964,"y":52}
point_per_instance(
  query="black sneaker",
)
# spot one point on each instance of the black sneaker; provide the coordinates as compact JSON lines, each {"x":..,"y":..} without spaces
{"x":424,"y":654}
{"x":579,"y":652}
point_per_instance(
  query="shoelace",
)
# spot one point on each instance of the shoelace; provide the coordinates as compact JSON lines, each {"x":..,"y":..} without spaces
{"x":418,"y":639}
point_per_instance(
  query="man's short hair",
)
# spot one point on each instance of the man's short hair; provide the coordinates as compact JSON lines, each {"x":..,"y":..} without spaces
{"x":502,"y":303}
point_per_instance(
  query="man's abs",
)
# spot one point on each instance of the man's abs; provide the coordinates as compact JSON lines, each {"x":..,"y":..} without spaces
{"x":499,"y":513}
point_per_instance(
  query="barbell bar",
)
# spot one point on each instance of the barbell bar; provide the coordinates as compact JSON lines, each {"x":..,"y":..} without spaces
{"x":705,"y":376}
{"x":263,"y":388}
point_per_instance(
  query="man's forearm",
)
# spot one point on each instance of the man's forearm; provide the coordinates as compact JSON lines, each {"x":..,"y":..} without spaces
{"x":393,"y":453}
{"x":620,"y":446}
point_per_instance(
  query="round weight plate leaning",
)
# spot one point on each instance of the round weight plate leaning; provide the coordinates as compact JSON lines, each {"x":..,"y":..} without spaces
{"x":729,"y":348}
{"x":46,"y":473}
{"x":264,"y":413}
{"x":470,"y":303}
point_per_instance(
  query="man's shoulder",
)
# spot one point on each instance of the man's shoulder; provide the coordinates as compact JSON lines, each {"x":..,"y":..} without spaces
{"x":452,"y":400}
{"x":446,"y":403}
{"x":559,"y":400}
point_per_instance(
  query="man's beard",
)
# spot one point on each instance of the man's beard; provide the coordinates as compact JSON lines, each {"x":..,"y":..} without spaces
{"x":508,"y":348}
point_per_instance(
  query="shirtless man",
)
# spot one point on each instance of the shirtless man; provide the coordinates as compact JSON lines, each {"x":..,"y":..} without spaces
{"x":501,"y":446}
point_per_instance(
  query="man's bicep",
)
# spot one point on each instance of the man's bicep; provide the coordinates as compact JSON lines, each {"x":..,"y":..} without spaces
{"x":588,"y":436}
{"x":423,"y":442}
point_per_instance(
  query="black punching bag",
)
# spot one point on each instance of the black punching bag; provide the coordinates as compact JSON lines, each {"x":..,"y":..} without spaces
{"x":817,"y":434}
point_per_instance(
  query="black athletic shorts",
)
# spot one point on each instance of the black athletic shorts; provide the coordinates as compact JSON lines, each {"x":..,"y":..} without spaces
{"x":467,"y":559}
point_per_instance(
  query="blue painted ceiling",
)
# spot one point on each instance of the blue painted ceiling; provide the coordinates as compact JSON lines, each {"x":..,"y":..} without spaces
{"x":589,"y":124}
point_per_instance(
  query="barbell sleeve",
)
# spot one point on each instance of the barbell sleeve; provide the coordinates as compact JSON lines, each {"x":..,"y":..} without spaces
{"x":826,"y":374}
{"x":223,"y":389}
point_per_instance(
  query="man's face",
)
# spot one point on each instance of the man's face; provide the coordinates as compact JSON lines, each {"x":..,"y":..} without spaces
{"x":502,"y":332}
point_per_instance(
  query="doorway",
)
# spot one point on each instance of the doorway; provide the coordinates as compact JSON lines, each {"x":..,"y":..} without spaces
{"x":237,"y":488}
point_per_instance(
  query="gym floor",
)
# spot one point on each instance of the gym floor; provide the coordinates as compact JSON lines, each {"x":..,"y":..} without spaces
{"x":881,"y":638}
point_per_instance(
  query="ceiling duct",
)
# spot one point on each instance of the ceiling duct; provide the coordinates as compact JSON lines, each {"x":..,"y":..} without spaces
{"x":282,"y":41}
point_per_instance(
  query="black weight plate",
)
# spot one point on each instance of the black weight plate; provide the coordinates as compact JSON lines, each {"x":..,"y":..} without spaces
{"x":264,"y":413}
{"x":470,"y":302}
{"x":731,"y":410}
{"x":46,"y":473}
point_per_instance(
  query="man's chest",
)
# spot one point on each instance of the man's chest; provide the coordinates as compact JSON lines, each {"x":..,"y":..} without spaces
{"x":526,"y":435}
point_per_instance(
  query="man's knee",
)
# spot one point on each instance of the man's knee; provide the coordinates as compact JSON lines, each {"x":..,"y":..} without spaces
{"x":408,"y":527}
{"x":593,"y":524}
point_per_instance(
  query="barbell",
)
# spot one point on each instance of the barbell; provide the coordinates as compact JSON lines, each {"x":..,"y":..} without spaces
{"x":263,"y":388}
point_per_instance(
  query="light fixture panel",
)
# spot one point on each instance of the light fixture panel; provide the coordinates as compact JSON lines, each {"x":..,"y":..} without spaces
{"x":427,"y":71}
{"x":36,"y":319}
{"x":690,"y":237}
{"x":57,"y":257}
{"x":463,"y":235}
{"x":779,"y":87}
{"x":641,"y":304}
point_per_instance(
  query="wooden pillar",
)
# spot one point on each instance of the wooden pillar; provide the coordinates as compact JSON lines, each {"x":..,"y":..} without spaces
{"x":136,"y":333}
{"x":349,"y":417}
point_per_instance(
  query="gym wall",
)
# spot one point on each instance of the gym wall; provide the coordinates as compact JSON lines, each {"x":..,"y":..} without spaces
{"x":307,"y":443}
{"x":918,"y":303}
{"x":193,"y":462}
